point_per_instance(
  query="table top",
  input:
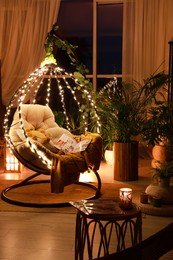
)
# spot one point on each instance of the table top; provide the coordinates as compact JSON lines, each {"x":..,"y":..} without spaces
{"x":104,"y":209}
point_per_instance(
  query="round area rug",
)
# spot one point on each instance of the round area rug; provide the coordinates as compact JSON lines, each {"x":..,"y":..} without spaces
{"x":165,"y":210}
{"x":38,"y":195}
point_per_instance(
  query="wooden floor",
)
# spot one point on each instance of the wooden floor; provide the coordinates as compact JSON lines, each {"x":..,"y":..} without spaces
{"x":50,"y":236}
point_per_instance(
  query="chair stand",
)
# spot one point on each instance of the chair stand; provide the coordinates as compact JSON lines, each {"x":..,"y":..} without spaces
{"x":29,"y":181}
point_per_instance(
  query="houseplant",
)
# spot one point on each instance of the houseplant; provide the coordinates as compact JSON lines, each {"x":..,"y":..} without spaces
{"x":122,"y":108}
{"x":81,"y":112}
{"x":158,"y":127}
{"x":163,"y":173}
{"x":158,"y":131}
{"x":160,"y":190}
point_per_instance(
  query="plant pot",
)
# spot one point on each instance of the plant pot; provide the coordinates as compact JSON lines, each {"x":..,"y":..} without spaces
{"x":109,"y":157}
{"x":162,"y":154}
{"x":164,"y":182}
{"x":156,"y":202}
{"x":125,"y":161}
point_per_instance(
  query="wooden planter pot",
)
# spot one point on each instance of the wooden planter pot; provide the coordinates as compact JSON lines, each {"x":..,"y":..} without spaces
{"x":125,"y":161}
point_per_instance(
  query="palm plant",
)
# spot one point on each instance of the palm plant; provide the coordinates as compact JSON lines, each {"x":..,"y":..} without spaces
{"x":163,"y":173}
{"x":158,"y":127}
{"x":163,"y":170}
{"x":123,"y":107}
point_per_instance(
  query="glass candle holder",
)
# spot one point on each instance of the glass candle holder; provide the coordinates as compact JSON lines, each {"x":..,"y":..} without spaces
{"x":144,"y":198}
{"x":125,"y":197}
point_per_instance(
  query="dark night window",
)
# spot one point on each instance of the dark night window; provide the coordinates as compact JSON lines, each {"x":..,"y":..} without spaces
{"x":75,"y":21}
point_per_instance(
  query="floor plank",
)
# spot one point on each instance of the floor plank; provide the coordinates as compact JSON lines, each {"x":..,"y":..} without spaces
{"x":43,"y":236}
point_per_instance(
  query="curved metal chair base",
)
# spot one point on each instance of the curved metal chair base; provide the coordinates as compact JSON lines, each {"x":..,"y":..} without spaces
{"x":27,"y":181}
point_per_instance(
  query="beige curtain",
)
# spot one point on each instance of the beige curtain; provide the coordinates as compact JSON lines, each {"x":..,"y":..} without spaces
{"x":147,"y":29}
{"x":23,"y":29}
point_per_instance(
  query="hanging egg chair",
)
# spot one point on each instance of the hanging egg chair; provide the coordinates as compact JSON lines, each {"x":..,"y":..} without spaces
{"x":49,"y":104}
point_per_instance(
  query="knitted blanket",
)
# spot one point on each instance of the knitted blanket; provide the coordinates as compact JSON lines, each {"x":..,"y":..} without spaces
{"x":66,"y":168}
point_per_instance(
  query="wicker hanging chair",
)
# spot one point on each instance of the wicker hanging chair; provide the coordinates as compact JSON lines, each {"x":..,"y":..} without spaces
{"x":50,"y":89}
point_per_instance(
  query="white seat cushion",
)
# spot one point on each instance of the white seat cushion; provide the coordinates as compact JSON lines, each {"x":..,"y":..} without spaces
{"x":36,"y":117}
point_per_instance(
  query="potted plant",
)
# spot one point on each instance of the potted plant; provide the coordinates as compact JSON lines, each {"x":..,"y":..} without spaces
{"x":160,"y":190}
{"x":163,"y":173}
{"x":122,"y":108}
{"x":158,"y":131}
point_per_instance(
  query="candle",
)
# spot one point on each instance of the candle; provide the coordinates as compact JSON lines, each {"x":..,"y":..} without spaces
{"x":7,"y":163}
{"x":125,"y":198}
{"x":144,"y":198}
{"x":11,"y":164}
{"x":16,"y":166}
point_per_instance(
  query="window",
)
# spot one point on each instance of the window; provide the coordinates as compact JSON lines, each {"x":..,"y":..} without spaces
{"x":107,"y":41}
{"x":109,"y":38}
{"x":95,"y":26}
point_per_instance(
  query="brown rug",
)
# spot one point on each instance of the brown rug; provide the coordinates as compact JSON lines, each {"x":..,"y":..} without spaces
{"x":41,"y":193}
{"x":162,"y":211}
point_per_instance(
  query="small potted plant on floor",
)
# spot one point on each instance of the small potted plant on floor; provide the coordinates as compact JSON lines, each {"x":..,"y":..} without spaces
{"x":122,"y":108}
{"x":163,"y":173}
{"x":158,"y":131}
{"x":160,"y":190}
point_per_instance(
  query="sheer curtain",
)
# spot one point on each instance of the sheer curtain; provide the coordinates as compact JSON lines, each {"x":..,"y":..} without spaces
{"x":147,"y":29}
{"x":23,"y":29}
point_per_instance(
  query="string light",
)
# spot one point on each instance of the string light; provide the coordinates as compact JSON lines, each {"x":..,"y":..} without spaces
{"x":28,"y":93}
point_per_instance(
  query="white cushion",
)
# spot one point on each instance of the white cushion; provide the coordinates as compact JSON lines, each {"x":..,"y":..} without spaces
{"x":35,"y":116}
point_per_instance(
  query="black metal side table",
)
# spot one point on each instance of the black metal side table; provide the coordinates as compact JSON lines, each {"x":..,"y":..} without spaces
{"x":102,"y":224}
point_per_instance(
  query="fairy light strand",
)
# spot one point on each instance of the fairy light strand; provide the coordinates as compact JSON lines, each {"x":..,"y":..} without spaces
{"x":33,"y":85}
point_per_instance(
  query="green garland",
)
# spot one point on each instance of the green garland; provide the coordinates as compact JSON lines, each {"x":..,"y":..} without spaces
{"x":52,"y":40}
{"x":80,"y":69}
